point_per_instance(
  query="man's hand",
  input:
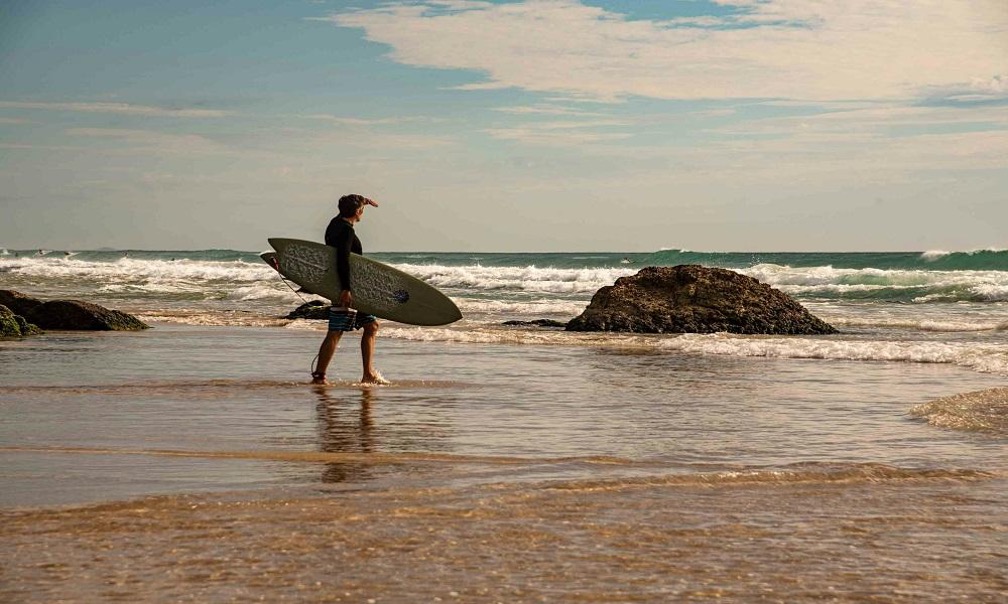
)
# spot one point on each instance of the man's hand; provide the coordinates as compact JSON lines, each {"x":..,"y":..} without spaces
{"x":345,"y":299}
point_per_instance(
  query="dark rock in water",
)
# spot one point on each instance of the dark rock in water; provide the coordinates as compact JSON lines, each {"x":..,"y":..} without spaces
{"x":695,"y":299}
{"x":79,"y":315}
{"x":69,"y":314}
{"x":27,"y":329}
{"x":15,"y":326}
{"x":19,"y":303}
{"x":536,"y":323}
{"x":316,"y":309}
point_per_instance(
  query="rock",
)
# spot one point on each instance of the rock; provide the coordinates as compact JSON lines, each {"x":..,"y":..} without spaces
{"x":695,"y":299}
{"x":69,"y":314}
{"x":536,"y":323}
{"x":19,"y":303}
{"x":79,"y":315}
{"x":9,"y":326}
{"x":316,"y":309}
{"x":15,"y":326}
{"x":27,"y":329}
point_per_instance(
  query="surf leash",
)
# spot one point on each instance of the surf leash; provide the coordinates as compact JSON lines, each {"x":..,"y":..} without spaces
{"x":276,"y":267}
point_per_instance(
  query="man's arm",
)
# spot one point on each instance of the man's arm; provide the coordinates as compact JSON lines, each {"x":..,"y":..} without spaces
{"x":343,"y":248}
{"x":340,"y":236}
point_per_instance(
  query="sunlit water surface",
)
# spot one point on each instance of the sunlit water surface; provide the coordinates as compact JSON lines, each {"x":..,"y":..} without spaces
{"x":199,"y":464}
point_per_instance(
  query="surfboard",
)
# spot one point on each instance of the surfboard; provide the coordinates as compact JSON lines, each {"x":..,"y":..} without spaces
{"x":378,"y":288}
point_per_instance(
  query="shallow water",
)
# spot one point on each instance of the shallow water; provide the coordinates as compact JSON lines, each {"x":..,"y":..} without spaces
{"x":643,"y":410}
{"x":486,"y":472}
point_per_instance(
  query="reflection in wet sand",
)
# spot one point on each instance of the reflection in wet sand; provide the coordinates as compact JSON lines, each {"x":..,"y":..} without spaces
{"x":345,"y":426}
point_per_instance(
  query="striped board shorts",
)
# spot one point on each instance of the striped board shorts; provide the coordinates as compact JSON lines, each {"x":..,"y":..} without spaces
{"x":348,"y":319}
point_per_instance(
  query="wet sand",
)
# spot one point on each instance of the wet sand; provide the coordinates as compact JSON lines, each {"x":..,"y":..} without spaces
{"x":859,"y":538}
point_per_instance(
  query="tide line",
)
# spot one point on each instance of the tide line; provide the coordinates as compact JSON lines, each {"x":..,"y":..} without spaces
{"x":324,"y":456}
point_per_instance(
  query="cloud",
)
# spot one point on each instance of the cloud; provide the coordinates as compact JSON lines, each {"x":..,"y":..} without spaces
{"x":546,"y":109}
{"x":786,"y":49}
{"x":120,"y":108}
{"x":351,"y":121}
{"x":996,"y":85}
{"x":366,"y":122}
{"x":563,"y":132}
{"x":409,"y":142}
{"x":149,"y":140}
{"x":554,"y":138}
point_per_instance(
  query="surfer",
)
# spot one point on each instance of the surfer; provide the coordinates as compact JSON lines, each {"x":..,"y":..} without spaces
{"x":342,"y":316}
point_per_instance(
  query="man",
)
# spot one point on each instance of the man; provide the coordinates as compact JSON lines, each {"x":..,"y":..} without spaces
{"x":342,"y":316}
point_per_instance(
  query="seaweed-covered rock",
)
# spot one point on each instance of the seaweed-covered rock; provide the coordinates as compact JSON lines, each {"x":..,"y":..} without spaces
{"x":695,"y":299}
{"x":315,"y":309}
{"x":15,"y":326}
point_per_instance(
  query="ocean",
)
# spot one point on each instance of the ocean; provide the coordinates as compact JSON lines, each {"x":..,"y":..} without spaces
{"x":504,"y":463}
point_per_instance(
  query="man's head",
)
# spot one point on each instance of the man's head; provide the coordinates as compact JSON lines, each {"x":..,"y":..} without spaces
{"x":350,"y":204}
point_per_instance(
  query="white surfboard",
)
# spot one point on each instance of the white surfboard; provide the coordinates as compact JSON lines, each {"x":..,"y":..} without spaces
{"x":378,"y":289}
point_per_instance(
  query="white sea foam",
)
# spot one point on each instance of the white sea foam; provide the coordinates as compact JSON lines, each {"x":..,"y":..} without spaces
{"x":932,"y":255}
{"x":130,"y":269}
{"x":508,"y":309}
{"x":990,"y":358}
{"x":196,"y":317}
{"x":777,"y":275}
{"x":525,"y":279}
{"x":991,"y":292}
{"x":267,"y":291}
{"x":923,"y":324}
{"x":987,"y":358}
{"x":580,"y":282}
{"x":990,"y":286}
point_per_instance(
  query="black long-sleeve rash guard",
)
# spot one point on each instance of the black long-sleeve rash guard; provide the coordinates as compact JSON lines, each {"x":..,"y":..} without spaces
{"x":340,"y":235}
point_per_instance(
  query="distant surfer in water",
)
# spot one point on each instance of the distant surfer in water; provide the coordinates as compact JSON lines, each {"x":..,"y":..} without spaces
{"x":342,"y":316}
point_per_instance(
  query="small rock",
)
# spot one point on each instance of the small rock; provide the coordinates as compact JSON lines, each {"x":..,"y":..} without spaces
{"x":536,"y":323}
{"x":315,"y":309}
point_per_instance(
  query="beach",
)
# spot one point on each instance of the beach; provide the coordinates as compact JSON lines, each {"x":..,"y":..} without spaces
{"x":194,"y":462}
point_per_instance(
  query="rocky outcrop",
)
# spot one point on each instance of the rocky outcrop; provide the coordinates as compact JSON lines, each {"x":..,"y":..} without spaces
{"x":315,"y":309}
{"x":69,"y":314}
{"x":695,"y":299}
{"x":15,"y":326}
{"x":19,"y":303}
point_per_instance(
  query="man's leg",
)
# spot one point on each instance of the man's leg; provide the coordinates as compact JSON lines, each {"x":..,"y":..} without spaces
{"x":367,"y":345}
{"x":325,"y":354}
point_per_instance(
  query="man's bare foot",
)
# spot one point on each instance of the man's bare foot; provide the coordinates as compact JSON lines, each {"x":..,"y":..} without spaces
{"x":319,"y":378}
{"x":375,"y":379}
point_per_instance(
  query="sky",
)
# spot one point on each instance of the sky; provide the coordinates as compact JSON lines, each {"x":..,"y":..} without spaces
{"x":478,"y":125}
